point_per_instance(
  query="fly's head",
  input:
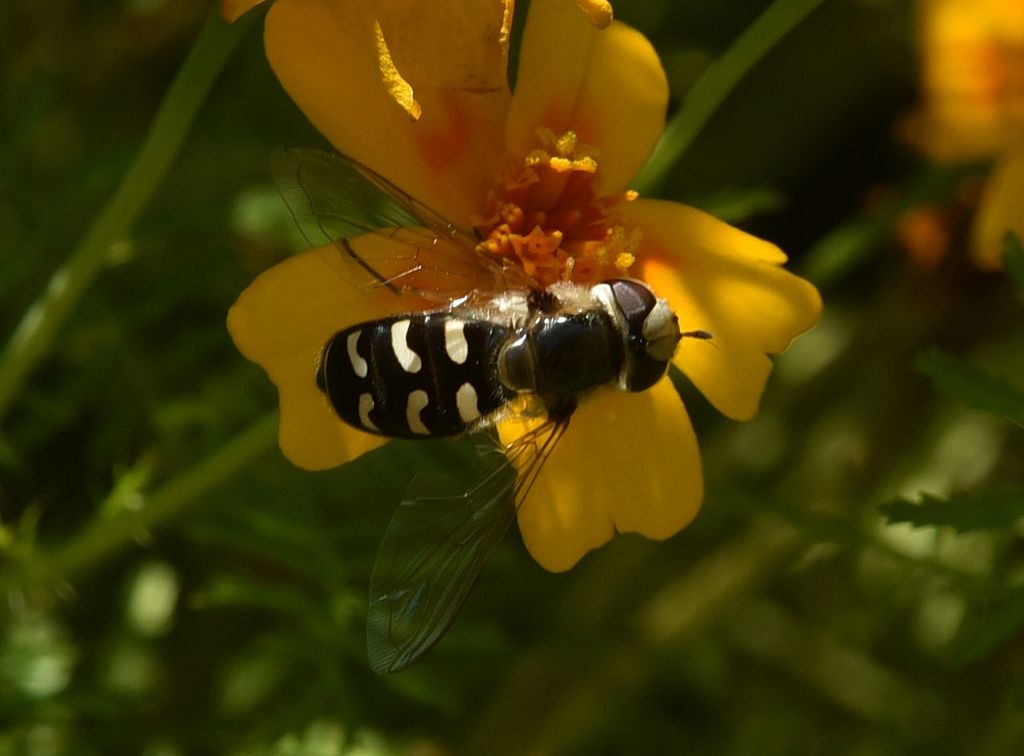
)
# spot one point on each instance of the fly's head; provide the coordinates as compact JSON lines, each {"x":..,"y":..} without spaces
{"x":649,"y":329}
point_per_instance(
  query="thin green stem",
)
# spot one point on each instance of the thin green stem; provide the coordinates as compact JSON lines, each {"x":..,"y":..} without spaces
{"x":106,"y":536}
{"x":716,"y":84}
{"x":42,"y":321}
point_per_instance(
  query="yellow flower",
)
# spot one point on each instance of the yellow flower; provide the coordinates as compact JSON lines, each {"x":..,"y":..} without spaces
{"x":541,"y":174}
{"x":972,"y":71}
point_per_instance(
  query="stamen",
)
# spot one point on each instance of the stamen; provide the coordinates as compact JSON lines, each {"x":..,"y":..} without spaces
{"x":543,"y":213}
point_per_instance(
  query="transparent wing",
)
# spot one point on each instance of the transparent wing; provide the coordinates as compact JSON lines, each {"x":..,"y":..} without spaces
{"x":334,"y":199}
{"x":438,"y":541}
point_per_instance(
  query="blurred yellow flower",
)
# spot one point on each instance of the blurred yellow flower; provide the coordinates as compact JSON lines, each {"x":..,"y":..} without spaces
{"x":541,"y":174}
{"x":972,"y":72}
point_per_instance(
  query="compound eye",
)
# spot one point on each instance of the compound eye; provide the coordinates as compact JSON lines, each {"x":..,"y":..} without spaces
{"x":635,"y":301}
{"x":652,"y":333}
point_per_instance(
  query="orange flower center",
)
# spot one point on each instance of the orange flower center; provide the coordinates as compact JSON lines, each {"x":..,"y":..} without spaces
{"x":544,"y":215}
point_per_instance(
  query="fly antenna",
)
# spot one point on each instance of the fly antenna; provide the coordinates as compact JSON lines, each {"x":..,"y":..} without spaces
{"x":702,"y":335}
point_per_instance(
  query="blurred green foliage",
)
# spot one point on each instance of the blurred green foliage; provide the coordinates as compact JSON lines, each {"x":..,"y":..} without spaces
{"x":170,"y":585}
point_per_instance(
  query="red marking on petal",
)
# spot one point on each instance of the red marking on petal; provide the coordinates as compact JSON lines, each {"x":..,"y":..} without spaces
{"x":444,"y":144}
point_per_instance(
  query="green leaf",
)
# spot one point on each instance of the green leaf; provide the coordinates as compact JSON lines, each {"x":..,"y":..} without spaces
{"x":1002,"y":622}
{"x":717,"y":83}
{"x":990,"y":508}
{"x":973,"y":386}
{"x":738,"y":205}
{"x":1013,"y":257}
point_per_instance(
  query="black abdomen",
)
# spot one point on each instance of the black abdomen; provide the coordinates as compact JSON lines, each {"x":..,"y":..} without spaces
{"x":430,"y":374}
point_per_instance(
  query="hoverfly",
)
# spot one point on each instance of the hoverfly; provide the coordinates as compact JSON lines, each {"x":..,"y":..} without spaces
{"x":495,"y":342}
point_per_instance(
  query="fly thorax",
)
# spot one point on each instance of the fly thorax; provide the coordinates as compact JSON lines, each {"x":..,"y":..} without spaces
{"x":562,"y":355}
{"x":648,"y":329}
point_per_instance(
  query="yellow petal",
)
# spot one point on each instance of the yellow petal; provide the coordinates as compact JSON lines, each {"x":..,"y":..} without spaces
{"x":628,"y":463}
{"x":606,"y":85}
{"x":327,"y":56}
{"x":281,"y":322}
{"x":397,"y":86}
{"x":1002,"y":210}
{"x":448,"y":44}
{"x":599,"y":11}
{"x":232,"y":10}
{"x":722,"y":280}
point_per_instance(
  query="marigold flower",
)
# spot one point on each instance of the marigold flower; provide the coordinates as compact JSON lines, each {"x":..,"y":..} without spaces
{"x":541,"y":174}
{"x":972,"y":78}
